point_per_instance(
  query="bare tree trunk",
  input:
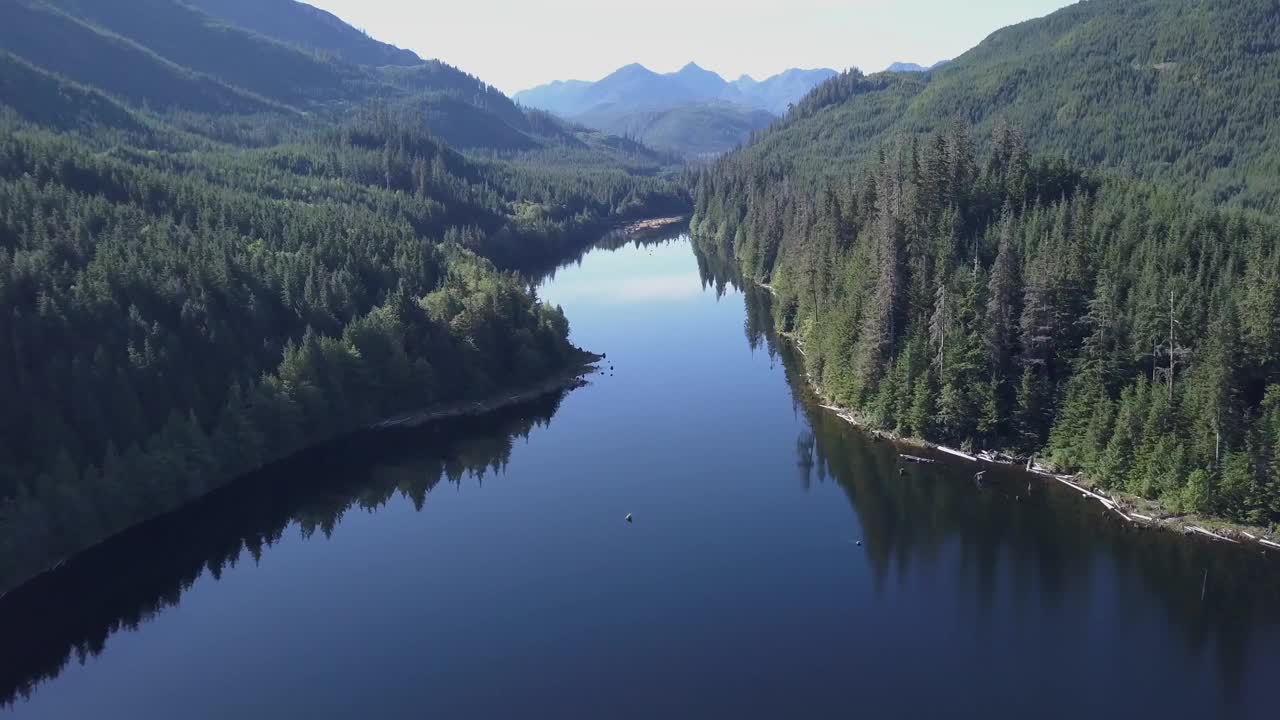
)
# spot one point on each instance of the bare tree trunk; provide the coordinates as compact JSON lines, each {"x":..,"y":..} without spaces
{"x":1172,"y":345}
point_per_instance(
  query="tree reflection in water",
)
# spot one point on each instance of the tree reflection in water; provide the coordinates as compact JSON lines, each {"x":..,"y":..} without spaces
{"x":121,"y":584}
{"x":1014,"y":529}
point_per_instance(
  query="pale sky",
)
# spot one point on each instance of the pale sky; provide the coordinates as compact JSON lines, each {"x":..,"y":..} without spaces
{"x":516,"y":44}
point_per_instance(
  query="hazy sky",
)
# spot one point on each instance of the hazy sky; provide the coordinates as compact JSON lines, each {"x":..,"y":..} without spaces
{"x":516,"y":44}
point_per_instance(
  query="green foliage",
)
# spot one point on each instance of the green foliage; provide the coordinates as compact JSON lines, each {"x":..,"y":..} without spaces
{"x":281,"y":78}
{"x":309,"y":27}
{"x":197,"y":277}
{"x":1122,"y":329}
{"x":170,"y":326}
{"x":1179,"y":91}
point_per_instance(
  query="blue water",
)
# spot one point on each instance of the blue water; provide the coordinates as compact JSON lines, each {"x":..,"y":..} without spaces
{"x":740,"y":589}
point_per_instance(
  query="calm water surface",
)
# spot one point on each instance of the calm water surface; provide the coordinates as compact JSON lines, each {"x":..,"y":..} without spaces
{"x":483,"y":569}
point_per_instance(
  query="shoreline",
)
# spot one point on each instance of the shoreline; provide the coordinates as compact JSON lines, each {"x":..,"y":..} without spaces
{"x":1137,"y":511}
{"x":570,"y":377}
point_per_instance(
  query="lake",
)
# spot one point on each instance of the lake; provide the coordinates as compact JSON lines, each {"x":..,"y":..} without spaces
{"x":780,"y":563}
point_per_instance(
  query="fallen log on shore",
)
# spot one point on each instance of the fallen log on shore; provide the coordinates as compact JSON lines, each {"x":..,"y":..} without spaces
{"x":1260,"y":540}
{"x":1108,"y":502}
{"x":1215,"y":536}
{"x":957,"y":453}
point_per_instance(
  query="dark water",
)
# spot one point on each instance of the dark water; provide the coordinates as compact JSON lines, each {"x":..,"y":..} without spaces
{"x":483,"y":569}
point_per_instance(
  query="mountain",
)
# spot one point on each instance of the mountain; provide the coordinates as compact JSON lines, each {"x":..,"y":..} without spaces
{"x":309,"y":27}
{"x":637,"y":86}
{"x":692,"y":111}
{"x":562,"y":97}
{"x":777,"y":93}
{"x":59,"y":43}
{"x":217,"y":249}
{"x":913,"y":67}
{"x":691,"y":129}
{"x":180,"y":35}
{"x":1181,"y":92}
{"x":1062,"y":245}
{"x":632,"y":85}
{"x":169,"y":56}
{"x":700,"y":83}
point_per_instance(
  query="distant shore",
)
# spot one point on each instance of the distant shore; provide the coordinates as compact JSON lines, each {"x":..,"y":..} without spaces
{"x":651,"y":224}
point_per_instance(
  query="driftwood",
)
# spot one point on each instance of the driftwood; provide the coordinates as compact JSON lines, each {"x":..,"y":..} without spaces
{"x":1215,"y":536}
{"x":1084,"y":491}
{"x":1116,"y":509}
{"x":917,"y":459}
{"x":1255,"y":538}
{"x":957,"y":453}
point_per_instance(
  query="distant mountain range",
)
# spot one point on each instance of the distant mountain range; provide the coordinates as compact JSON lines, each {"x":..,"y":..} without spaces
{"x":914,"y":67}
{"x":251,"y":57}
{"x":692,"y":111}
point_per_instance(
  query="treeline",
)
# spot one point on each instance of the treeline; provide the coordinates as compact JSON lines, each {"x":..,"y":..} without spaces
{"x":174,"y":319}
{"x":1180,"y":92}
{"x":1019,"y":303}
{"x":217,"y":248}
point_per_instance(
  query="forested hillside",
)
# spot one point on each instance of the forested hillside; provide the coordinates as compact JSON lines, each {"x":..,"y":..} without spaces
{"x":1180,"y":91}
{"x":971,"y":286}
{"x":216,"y":249}
{"x":309,"y":27}
{"x":168,"y":57}
{"x":1007,"y":302}
{"x":695,"y":129}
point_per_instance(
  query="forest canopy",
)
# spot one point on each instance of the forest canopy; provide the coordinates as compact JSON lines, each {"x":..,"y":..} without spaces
{"x":1013,"y":302}
{"x":217,"y":249}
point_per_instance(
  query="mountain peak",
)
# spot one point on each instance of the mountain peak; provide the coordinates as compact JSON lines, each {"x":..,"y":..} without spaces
{"x":693,"y":71}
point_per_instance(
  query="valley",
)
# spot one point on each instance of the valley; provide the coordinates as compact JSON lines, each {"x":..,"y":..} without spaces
{"x":340,"y":381}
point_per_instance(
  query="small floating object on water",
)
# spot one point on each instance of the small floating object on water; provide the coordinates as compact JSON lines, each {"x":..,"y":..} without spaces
{"x":628,"y":517}
{"x":859,"y":543}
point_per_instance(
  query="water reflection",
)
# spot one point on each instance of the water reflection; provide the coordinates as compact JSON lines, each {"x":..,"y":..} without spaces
{"x":538,"y":274}
{"x":742,"y":563}
{"x":665,"y":287}
{"x":71,"y":613}
{"x":1022,"y":547}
